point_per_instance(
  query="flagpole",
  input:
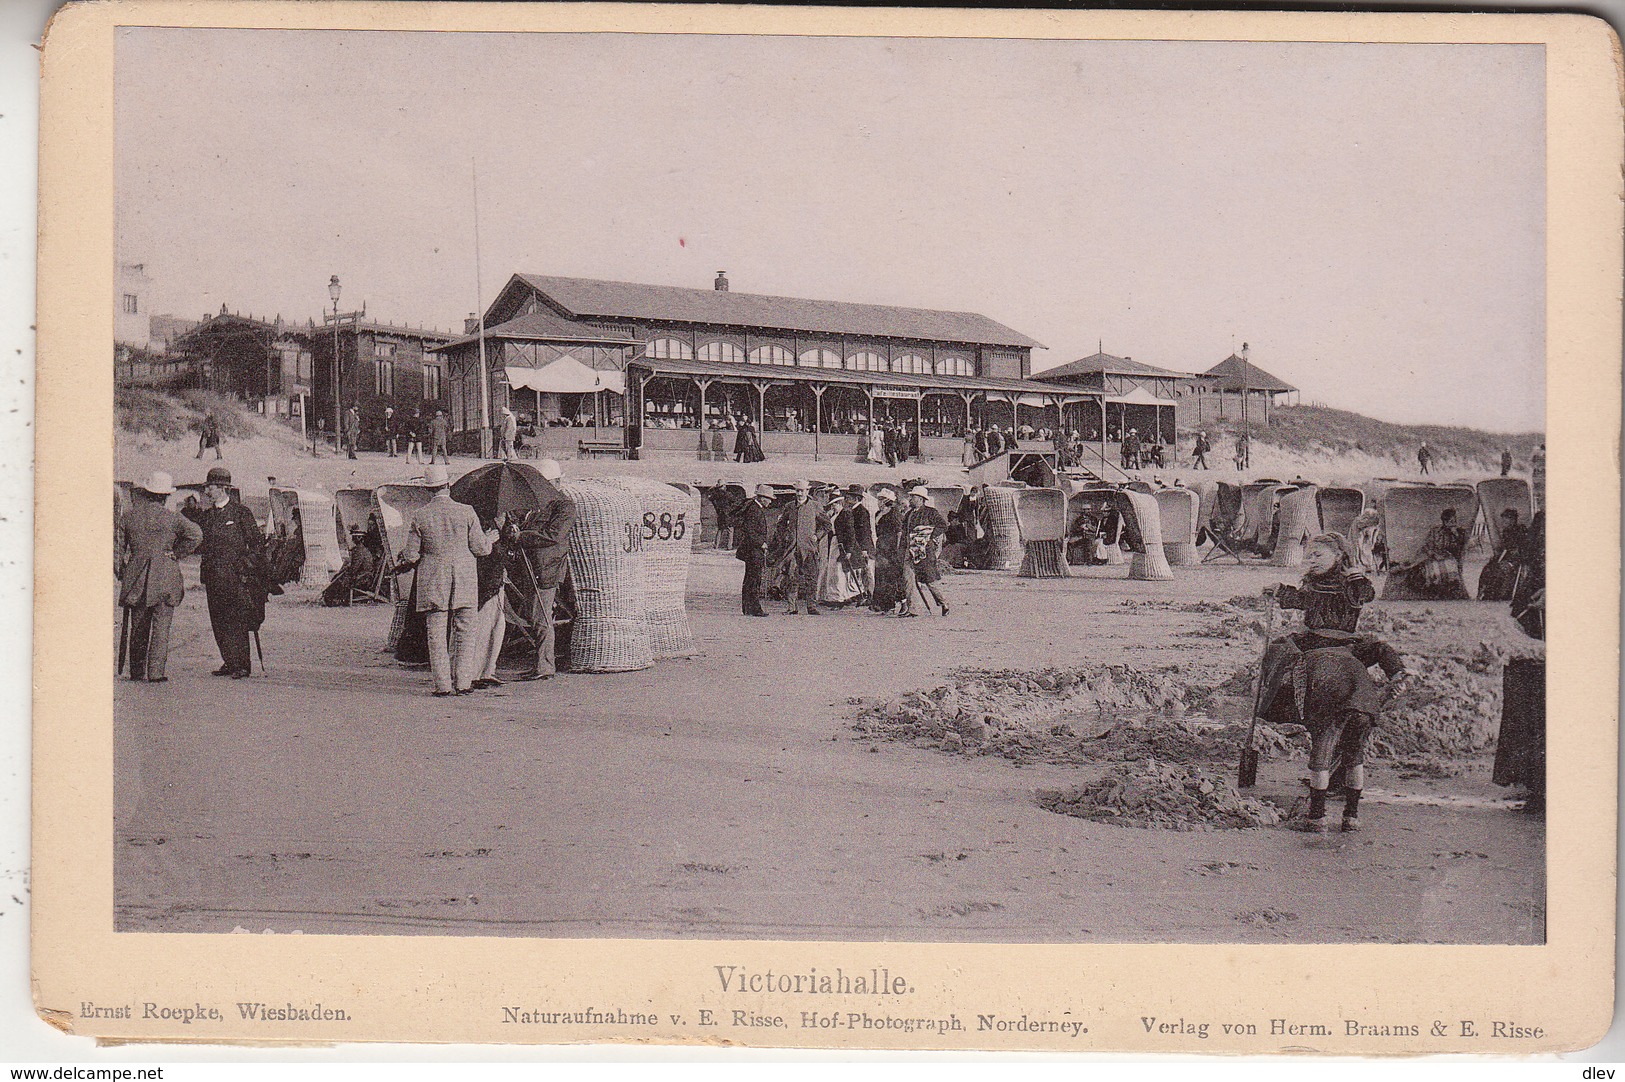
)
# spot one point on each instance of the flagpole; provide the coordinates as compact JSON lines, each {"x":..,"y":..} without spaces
{"x":479,"y":308}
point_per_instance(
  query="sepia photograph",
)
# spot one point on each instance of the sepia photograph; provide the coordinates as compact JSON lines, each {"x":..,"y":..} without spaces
{"x":492,"y":397}
{"x":821,"y":488}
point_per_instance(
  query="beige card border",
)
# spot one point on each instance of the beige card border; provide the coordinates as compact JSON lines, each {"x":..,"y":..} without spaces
{"x":451,"y":989}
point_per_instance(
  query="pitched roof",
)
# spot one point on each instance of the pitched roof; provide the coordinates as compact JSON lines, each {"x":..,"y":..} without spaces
{"x":743,"y":370}
{"x":1105,"y":363}
{"x":592,"y":297}
{"x":547,"y":326}
{"x":1229,"y":373}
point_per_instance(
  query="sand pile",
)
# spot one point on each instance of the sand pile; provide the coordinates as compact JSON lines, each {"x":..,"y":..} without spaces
{"x":1451,"y":706}
{"x":1162,"y":796}
{"x":1104,"y":713}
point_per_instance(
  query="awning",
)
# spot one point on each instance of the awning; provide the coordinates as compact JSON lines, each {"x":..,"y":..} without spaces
{"x":1140,"y":397}
{"x":566,"y":376}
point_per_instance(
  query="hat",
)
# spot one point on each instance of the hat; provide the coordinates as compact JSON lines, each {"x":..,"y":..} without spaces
{"x":886,"y":492}
{"x":764,"y":492}
{"x":802,"y":485}
{"x":856,"y":491}
{"x":218,"y":476}
{"x":549,"y":469}
{"x":920,"y":491}
{"x":434,"y":475}
{"x":159,"y":483}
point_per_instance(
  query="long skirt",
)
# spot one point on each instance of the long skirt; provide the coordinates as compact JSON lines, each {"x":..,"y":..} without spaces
{"x":888,"y":583}
{"x":838,"y":583}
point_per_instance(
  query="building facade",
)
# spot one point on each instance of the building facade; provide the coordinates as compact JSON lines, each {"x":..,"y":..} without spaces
{"x":1235,"y":389}
{"x":380,"y":365}
{"x":1136,"y":396}
{"x":697,"y":360}
{"x":265,"y":361}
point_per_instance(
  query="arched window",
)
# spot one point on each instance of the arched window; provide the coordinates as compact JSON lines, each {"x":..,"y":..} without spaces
{"x":722,"y":351}
{"x":772,"y":355}
{"x":820,"y":358}
{"x":668,"y":349}
{"x":911,"y":362}
{"x":867,"y":361}
{"x":953,"y":364}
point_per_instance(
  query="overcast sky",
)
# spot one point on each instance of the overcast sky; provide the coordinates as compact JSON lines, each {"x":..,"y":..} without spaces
{"x":1369,"y":217}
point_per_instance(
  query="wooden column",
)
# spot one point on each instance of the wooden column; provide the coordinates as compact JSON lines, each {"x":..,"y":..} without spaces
{"x":818,"y":390}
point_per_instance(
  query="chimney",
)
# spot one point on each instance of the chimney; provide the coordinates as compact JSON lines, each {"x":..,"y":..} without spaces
{"x":721,"y":284}
{"x":472,"y":323}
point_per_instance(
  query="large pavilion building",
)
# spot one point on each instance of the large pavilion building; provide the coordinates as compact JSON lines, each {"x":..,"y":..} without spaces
{"x":679,"y":362}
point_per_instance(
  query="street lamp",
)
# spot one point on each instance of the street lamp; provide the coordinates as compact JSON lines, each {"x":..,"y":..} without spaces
{"x":333,"y":292}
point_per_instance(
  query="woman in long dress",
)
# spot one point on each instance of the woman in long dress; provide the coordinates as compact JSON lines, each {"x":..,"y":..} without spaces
{"x":838,"y":580}
{"x":877,"y":444}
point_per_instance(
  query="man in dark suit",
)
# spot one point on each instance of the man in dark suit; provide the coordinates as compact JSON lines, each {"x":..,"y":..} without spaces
{"x":545,"y":538}
{"x":232,"y":546}
{"x":750,"y":546}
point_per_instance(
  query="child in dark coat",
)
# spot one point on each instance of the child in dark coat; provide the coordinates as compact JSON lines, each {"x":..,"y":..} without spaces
{"x":1326,"y":664}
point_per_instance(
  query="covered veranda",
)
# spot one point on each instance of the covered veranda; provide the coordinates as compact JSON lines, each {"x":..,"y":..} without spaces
{"x":825,"y":411}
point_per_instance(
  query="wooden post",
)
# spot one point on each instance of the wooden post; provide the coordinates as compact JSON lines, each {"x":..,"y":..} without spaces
{"x":818,"y":415}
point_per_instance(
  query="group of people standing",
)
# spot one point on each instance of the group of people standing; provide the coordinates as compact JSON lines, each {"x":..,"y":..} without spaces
{"x":461,"y":567}
{"x":403,"y":432}
{"x":152,"y":539}
{"x":840,"y":552}
{"x":891,"y":442}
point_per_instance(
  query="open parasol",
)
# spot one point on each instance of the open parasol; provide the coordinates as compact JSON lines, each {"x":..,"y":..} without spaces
{"x":500,"y":487}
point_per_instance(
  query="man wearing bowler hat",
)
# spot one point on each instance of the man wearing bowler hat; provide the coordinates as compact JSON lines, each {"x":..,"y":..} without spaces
{"x":150,"y":585}
{"x":750,"y":545}
{"x":232,"y":548}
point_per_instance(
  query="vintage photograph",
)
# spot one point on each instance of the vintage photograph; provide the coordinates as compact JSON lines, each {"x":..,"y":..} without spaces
{"x":829,"y":488}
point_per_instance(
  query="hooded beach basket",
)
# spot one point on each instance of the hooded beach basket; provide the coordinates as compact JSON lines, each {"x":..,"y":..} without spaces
{"x":1178,"y":508}
{"x":1041,"y":517}
{"x":1151,"y":562}
{"x":669,"y":520}
{"x":611,"y":630}
{"x":1298,"y":513}
{"x":1003,"y":528}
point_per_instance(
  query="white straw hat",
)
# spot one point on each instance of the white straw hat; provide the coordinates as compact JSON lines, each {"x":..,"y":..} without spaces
{"x":159,"y":483}
{"x":435,"y":476}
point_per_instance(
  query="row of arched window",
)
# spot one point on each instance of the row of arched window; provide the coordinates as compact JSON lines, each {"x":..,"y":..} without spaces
{"x":864,"y":361}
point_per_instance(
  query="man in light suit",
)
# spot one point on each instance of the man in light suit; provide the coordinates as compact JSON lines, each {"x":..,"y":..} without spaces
{"x":150,"y":585}
{"x":441,"y":543}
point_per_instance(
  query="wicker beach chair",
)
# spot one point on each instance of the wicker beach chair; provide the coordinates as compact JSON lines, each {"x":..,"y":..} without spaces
{"x":1502,"y":494}
{"x":1339,"y":507}
{"x":611,"y":631}
{"x":1298,"y":519}
{"x":1408,"y":515}
{"x":1041,"y":519}
{"x":1257,"y":516}
{"x":670,"y":520}
{"x":1150,"y":562}
{"x":1004,"y":530}
{"x":1179,"y":508}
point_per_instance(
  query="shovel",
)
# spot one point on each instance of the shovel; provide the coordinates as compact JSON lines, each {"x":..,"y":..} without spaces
{"x":1247,"y":775}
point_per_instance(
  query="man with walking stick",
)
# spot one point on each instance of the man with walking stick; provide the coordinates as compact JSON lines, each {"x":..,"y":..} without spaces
{"x":232,"y":576}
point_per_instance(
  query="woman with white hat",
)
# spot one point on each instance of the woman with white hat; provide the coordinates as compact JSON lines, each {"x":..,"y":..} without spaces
{"x":150,"y":585}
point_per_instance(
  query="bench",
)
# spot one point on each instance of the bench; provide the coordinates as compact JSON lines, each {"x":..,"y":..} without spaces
{"x":592,"y":448}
